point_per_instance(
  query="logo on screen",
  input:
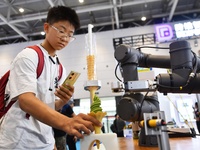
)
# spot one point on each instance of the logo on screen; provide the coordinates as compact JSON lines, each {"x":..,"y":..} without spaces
{"x":164,"y":32}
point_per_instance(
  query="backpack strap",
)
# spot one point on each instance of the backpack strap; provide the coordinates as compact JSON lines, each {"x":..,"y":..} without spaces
{"x":41,"y":62}
{"x":3,"y":82}
{"x":40,"y":65}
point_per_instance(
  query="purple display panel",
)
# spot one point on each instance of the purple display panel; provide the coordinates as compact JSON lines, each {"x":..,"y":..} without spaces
{"x":163,"y":32}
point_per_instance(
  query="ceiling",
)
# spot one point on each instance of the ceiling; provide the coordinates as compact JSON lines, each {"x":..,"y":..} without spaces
{"x":103,"y":14}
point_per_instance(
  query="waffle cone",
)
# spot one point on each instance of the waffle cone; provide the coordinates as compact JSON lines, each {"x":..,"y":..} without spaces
{"x":97,"y":130}
{"x":99,"y":116}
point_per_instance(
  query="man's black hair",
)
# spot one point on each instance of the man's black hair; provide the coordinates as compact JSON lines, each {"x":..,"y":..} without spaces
{"x":62,"y":13}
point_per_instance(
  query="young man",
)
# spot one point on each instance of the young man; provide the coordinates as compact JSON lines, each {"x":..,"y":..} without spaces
{"x":40,"y":98}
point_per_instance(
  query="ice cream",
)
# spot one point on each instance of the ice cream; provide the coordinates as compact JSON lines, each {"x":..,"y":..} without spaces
{"x":96,"y":112}
{"x":95,"y":107}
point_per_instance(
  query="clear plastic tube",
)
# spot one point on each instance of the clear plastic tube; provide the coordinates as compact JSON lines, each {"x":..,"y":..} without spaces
{"x":90,"y":46}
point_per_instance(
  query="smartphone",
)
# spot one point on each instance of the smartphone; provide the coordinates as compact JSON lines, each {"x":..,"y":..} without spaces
{"x":71,"y":78}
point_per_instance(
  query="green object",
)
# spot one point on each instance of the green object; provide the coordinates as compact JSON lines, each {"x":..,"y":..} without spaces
{"x":95,"y":107}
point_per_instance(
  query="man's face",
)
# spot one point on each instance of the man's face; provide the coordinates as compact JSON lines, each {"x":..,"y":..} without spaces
{"x":60,"y":34}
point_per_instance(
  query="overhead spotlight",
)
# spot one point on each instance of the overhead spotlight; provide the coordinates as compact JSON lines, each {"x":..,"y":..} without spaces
{"x":42,"y":33}
{"x":21,"y":10}
{"x":143,"y":18}
{"x":81,"y":1}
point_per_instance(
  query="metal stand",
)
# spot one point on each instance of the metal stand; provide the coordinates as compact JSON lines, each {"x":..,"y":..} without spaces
{"x":92,"y":86}
{"x":92,"y":83}
{"x":157,"y":128}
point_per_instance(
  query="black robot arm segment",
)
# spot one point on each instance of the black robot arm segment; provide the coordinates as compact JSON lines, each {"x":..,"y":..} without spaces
{"x":184,"y":65}
{"x":130,"y":58}
{"x":132,"y":106}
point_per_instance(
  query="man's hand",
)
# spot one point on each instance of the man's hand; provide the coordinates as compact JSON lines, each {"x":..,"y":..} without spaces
{"x":79,"y":124}
{"x":64,"y":93}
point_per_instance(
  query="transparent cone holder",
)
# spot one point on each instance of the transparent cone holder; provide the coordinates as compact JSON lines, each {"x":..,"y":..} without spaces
{"x":90,"y":46}
{"x":92,"y":84}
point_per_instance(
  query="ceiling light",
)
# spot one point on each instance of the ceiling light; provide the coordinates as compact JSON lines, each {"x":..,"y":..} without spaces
{"x":143,"y":18}
{"x":21,"y":10}
{"x":42,"y":33}
{"x":81,"y":1}
{"x":195,"y":43}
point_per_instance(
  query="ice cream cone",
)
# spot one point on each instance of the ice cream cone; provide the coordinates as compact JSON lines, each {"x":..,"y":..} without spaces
{"x":99,"y":116}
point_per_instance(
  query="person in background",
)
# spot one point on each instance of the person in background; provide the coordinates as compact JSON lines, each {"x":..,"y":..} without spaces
{"x":103,"y":128}
{"x":113,"y":126}
{"x":28,"y":123}
{"x":197,"y":116}
{"x":118,"y":126}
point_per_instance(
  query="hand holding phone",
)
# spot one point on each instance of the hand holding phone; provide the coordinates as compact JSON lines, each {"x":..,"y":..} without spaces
{"x":71,"y":78}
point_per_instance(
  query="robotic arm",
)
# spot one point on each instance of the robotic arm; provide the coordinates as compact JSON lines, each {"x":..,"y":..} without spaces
{"x":184,"y":77}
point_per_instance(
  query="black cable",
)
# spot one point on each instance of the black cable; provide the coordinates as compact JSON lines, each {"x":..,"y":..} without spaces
{"x":116,"y":73}
{"x":140,"y":108}
{"x":152,"y":47}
